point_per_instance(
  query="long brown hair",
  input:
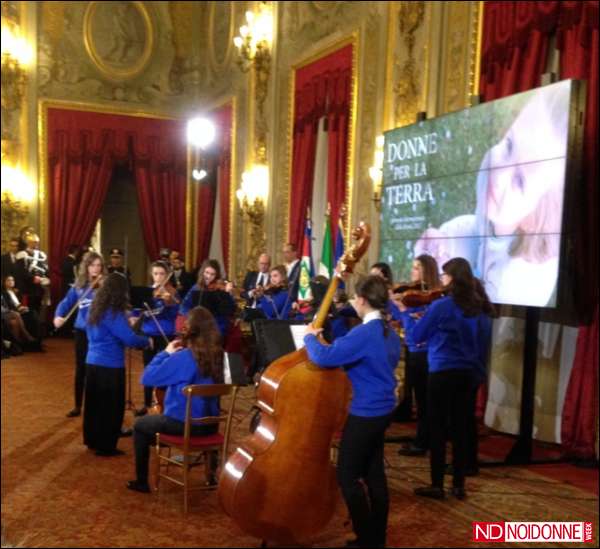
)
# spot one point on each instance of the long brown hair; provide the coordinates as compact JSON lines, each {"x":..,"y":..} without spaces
{"x":213,"y":264}
{"x":429,"y":270}
{"x":467,"y":292}
{"x":113,"y":295}
{"x":82,"y":271}
{"x":203,"y":338}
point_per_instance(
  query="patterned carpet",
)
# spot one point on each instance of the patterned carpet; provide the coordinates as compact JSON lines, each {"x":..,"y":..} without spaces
{"x":55,"y":493}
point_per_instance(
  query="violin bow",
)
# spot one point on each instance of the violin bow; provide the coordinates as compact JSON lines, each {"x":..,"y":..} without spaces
{"x":162,"y":332}
{"x":83,"y":296}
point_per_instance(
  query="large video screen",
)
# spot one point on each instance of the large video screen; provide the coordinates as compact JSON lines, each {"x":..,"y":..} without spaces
{"x":487,"y":184}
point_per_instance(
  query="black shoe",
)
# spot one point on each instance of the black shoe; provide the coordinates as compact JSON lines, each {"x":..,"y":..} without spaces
{"x":126,"y":432}
{"x":75,"y":412}
{"x":459,"y":492}
{"x":434,"y":492}
{"x":141,"y":412}
{"x":412,"y":450}
{"x":138,"y":486}
{"x":110,"y":453}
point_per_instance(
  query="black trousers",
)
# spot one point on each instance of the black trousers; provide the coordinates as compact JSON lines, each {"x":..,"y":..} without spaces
{"x":81,"y":348}
{"x":144,"y":436}
{"x":159,"y":344}
{"x":417,"y":371}
{"x":104,"y":407}
{"x":361,"y":458}
{"x":472,"y":438}
{"x":403,"y":411}
{"x":447,"y":398}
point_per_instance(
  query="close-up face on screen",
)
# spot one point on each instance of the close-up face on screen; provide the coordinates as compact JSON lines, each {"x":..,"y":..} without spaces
{"x":487,"y":184}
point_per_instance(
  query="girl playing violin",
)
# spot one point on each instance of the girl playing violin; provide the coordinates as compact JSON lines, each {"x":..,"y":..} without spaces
{"x":275,"y":302}
{"x":424,"y":272}
{"x":197,"y":359}
{"x":108,"y":333}
{"x":165,"y":305}
{"x":81,"y":294}
{"x":212,"y":293}
{"x":457,"y":329}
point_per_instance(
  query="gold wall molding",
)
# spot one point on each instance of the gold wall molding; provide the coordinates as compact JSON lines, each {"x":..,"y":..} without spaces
{"x":118,"y":64}
{"x":215,"y":25}
{"x":476,"y":44}
{"x":43,"y":177}
{"x":409,"y":20}
{"x":182,"y":17}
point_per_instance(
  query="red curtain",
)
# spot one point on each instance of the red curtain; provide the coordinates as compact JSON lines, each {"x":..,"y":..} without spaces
{"x":82,"y":150}
{"x":577,"y":39}
{"x":81,"y":154}
{"x":219,"y":168}
{"x":323,"y":88}
{"x":515,"y":44}
{"x":160,"y":167}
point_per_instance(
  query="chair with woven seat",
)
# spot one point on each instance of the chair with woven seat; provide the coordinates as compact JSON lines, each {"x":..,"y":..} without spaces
{"x":196,"y":450}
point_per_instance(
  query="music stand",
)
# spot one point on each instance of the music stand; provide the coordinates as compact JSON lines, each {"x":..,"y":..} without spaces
{"x":138,"y":296}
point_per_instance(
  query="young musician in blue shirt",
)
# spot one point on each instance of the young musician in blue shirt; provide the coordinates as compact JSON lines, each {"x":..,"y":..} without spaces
{"x":370,"y":353}
{"x":213,"y":294}
{"x":108,"y":333}
{"x":275,"y":302}
{"x":90,"y":269}
{"x":424,"y":271}
{"x":457,"y":329}
{"x":161,"y":323}
{"x":196,"y":360}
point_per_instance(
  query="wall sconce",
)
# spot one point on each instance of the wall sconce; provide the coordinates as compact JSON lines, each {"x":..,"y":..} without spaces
{"x":376,"y":172}
{"x":17,"y":194}
{"x":254,"y":52}
{"x":16,"y":55}
{"x":252,"y":196}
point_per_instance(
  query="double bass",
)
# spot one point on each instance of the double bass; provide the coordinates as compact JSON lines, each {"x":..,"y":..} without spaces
{"x":279,"y":485}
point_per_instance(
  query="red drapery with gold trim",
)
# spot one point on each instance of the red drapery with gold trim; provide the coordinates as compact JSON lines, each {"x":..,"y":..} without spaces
{"x":323,"y":88}
{"x":82,"y":150}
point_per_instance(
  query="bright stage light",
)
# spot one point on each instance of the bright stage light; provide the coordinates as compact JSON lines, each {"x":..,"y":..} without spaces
{"x":201,"y":132}
{"x":199,"y":175}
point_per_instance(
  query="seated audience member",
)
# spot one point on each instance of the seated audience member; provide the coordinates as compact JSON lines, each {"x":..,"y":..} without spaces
{"x":256,"y":279}
{"x":29,"y":318}
{"x":9,"y":259}
{"x":14,"y":333}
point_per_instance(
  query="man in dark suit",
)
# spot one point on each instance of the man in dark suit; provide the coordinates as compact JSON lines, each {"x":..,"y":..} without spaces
{"x":254,"y":279}
{"x":182,"y":280}
{"x":116,"y":264}
{"x":9,"y":261}
{"x":68,"y":268}
{"x":292,"y":265}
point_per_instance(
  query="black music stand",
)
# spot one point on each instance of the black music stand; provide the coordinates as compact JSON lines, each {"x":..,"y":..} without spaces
{"x":138,"y":296}
{"x":273,"y":340}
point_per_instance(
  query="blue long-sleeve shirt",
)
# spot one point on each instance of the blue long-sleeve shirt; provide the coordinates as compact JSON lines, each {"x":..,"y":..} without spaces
{"x":176,"y":371}
{"x":455,"y":341}
{"x":408,"y":323}
{"x":164,"y":314}
{"x":222,"y":302}
{"x":276,"y":305}
{"x":67,"y":303}
{"x":370,"y":359}
{"x":107,"y":340}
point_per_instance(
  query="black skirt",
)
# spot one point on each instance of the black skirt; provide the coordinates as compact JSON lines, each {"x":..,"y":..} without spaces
{"x":104,"y":407}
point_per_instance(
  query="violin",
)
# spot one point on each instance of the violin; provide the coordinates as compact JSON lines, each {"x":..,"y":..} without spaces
{"x":167,"y":292}
{"x":420,"y":298}
{"x":220,"y":285}
{"x":271,"y":289}
{"x":402,"y":287}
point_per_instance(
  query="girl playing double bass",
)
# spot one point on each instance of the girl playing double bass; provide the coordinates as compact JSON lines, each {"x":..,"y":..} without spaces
{"x":82,"y":293}
{"x":370,"y":353}
{"x":198,"y":359}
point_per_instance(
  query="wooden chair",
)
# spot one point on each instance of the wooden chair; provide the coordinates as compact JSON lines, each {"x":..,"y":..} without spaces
{"x":195,"y":450}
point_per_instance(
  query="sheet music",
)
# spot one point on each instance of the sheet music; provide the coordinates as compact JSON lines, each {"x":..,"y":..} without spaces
{"x":298,"y":333}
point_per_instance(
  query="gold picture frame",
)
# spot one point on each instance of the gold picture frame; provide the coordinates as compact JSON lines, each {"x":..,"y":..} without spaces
{"x":122,"y":53}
